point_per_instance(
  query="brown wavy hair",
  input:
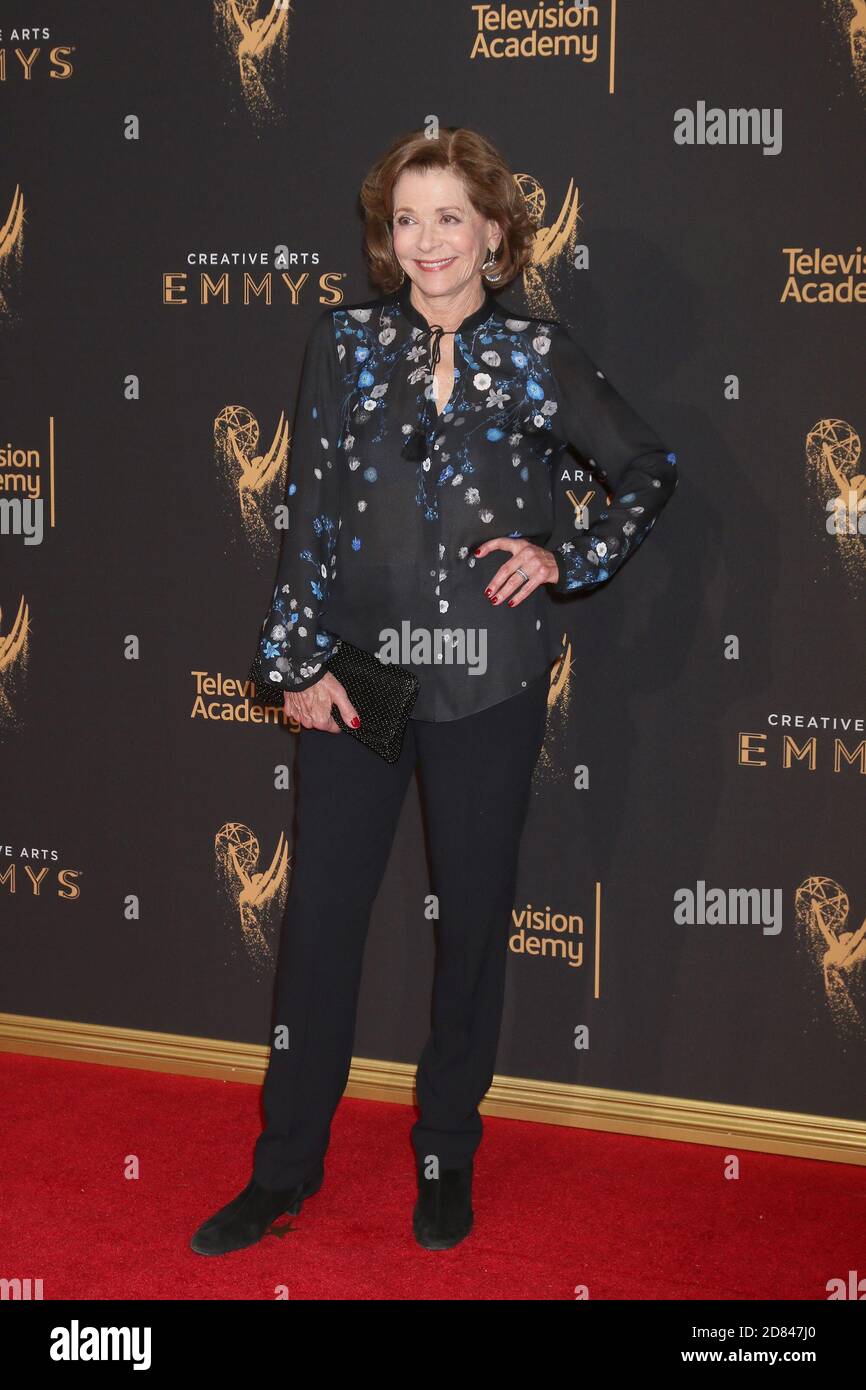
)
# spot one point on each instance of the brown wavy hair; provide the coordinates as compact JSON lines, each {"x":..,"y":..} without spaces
{"x":489,"y":183}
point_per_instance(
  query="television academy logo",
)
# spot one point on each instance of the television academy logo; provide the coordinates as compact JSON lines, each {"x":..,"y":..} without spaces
{"x":503,"y":31}
{"x":816,"y":276}
{"x":27,"y":480}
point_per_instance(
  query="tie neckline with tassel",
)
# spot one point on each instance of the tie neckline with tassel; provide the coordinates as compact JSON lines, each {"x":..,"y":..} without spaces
{"x":417,"y":448}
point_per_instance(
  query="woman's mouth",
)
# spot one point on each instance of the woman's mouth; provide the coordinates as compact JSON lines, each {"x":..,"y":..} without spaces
{"x":436,"y":265}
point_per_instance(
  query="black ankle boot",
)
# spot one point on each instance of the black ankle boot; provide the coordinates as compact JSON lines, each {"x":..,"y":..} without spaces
{"x":248,"y":1216}
{"x":443,"y":1213}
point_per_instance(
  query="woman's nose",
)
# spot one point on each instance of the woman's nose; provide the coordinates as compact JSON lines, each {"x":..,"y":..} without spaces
{"x":428,"y":235}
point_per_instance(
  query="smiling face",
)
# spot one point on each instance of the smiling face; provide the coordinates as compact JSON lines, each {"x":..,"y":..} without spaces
{"x":439,"y":239}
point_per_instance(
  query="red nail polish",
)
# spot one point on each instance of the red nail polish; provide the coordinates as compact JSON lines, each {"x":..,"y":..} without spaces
{"x":356,"y":723}
{"x":495,"y":600}
{"x":478,"y":552}
{"x":511,"y":603}
{"x":486,"y":593}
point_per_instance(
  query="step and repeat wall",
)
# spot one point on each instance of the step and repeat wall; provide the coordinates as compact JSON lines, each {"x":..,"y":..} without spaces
{"x":178,"y":201}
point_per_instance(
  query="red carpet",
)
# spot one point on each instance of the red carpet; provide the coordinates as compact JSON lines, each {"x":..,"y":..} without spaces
{"x":554,"y":1207}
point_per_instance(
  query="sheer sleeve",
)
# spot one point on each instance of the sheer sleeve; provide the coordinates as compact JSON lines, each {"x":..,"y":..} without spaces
{"x":614,"y":441}
{"x":294,"y":646}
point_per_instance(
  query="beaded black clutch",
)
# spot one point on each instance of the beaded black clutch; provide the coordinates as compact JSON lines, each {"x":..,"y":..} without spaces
{"x":382,"y":692}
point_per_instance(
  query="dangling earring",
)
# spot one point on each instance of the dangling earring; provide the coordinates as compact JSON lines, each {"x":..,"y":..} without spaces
{"x":488,"y":266}
{"x":402,"y":276}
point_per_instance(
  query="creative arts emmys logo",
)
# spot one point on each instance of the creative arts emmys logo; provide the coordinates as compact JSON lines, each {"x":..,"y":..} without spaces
{"x":256,"y":895}
{"x":25,"y":872}
{"x":580,"y":502}
{"x":262,"y":274}
{"x":14,"y":652}
{"x":28,"y":65}
{"x":248,"y":472}
{"x":834,"y":471}
{"x":836,"y":952}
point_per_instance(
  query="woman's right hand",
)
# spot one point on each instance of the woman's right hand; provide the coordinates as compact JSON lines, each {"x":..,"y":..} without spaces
{"x":312,"y":707}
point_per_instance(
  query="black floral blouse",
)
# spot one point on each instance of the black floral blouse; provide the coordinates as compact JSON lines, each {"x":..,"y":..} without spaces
{"x":387,"y":499}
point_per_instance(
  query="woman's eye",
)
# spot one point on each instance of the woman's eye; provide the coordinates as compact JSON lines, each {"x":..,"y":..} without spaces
{"x":404,"y":218}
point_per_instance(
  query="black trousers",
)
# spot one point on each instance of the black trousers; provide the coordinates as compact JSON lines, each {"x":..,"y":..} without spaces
{"x":476,"y":776}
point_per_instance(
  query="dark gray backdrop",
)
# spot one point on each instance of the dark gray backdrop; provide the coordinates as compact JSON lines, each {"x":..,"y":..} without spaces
{"x":101,"y":758}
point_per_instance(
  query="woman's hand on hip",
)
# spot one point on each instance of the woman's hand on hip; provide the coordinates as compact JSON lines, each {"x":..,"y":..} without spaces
{"x":538,"y":564}
{"x":312,"y":707}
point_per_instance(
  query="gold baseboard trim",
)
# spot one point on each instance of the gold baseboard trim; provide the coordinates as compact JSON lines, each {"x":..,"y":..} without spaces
{"x":732,"y":1127}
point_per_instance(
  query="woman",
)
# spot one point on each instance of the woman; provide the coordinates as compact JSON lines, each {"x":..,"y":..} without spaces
{"x":425,"y":504}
